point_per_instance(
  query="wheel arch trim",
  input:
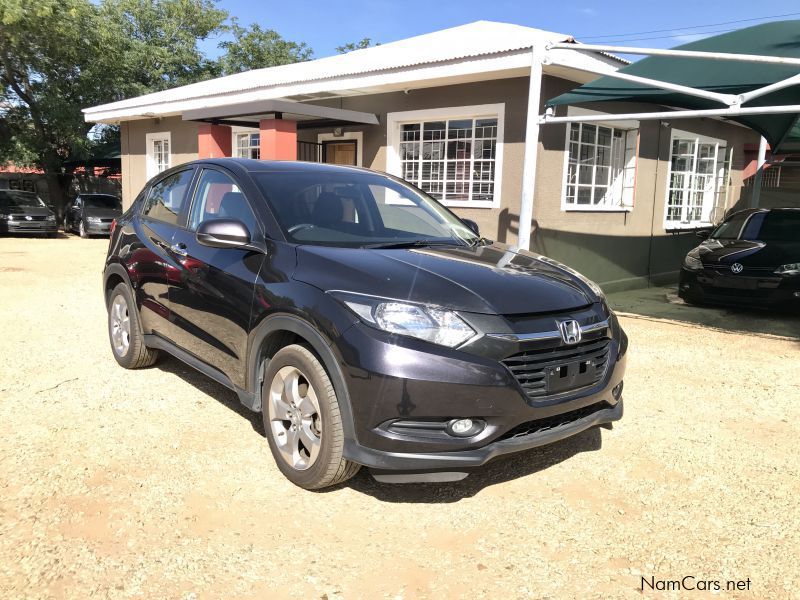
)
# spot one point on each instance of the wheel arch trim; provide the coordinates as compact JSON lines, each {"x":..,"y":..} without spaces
{"x":305,"y":330}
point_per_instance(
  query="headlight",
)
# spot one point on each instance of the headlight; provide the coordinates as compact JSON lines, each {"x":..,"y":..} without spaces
{"x":429,"y":323}
{"x":5,"y":217}
{"x":790,"y":269}
{"x":692,"y":261}
{"x":51,"y":218}
{"x":93,"y":219}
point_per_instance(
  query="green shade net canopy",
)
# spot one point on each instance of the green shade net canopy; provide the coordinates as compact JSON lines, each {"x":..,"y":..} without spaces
{"x":781,"y":38}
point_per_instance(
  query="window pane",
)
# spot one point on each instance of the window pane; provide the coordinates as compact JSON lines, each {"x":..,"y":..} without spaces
{"x":218,"y":197}
{"x":584,"y":195}
{"x":459,"y":129}
{"x":166,"y":197}
{"x":435,"y":130}
{"x":588,"y":134}
{"x":603,"y":136}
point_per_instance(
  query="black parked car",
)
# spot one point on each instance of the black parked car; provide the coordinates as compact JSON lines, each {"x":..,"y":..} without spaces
{"x":25,"y":212}
{"x":367,"y":323}
{"x":751,"y":258}
{"x":92,"y":214}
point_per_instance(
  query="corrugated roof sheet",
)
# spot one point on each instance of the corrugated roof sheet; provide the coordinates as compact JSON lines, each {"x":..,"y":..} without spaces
{"x":471,"y":40}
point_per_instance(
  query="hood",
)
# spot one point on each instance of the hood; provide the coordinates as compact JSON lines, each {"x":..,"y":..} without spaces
{"x":102,"y":212}
{"x":34,"y":211}
{"x":490,"y":279}
{"x":749,"y":253}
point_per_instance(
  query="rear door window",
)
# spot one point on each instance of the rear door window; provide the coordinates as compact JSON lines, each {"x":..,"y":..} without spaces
{"x":166,"y":198}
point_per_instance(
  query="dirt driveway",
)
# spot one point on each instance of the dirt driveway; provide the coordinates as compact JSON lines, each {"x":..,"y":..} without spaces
{"x":155,"y":484}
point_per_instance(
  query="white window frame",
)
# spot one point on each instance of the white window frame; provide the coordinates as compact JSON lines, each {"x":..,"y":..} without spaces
{"x":347,"y":136}
{"x":395,"y":120}
{"x":235,"y":132}
{"x":721,"y":174}
{"x":150,"y":139}
{"x":630,"y":165}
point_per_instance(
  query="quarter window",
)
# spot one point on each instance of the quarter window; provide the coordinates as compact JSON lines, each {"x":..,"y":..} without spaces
{"x":601,"y":166}
{"x":165,"y":200}
{"x":248,"y":145}
{"x":698,"y":172}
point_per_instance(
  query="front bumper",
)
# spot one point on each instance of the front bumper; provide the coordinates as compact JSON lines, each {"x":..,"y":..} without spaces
{"x":767,"y":290}
{"x":98,"y":228}
{"x":28,"y":227}
{"x":391,"y":379}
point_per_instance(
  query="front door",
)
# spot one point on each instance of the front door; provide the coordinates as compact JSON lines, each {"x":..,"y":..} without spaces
{"x":340,"y":152}
{"x":211,"y":304}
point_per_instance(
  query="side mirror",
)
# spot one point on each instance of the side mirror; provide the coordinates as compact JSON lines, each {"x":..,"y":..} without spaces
{"x":223,"y":233}
{"x":703,"y":234}
{"x":472,"y":225}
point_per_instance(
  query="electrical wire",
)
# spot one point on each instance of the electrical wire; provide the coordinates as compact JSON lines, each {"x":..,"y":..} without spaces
{"x":638,"y":33}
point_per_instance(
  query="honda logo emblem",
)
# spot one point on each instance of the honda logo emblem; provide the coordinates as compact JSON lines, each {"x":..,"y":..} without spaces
{"x":570,"y":331}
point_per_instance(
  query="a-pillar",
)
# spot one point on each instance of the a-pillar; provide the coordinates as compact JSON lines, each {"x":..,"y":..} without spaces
{"x":213,"y":141}
{"x":278,"y":139}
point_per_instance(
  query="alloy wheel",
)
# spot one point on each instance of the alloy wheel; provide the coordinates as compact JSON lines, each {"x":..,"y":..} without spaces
{"x":294,"y":418}
{"x":120,"y":324}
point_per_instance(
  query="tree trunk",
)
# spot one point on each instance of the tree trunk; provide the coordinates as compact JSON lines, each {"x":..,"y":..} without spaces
{"x":58,"y":197}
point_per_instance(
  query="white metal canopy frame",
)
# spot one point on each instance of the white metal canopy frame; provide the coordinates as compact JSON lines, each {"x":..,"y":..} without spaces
{"x":730,"y":105}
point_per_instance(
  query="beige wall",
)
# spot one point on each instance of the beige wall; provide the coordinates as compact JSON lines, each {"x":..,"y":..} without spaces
{"x":134,"y":160}
{"x":644,"y":219}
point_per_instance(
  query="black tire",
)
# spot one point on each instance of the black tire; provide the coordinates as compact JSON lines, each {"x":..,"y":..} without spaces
{"x":330,"y":467}
{"x":82,"y":230}
{"x":136,"y":355}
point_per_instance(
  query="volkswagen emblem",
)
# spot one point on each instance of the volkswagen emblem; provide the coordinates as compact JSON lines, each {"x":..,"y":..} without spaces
{"x":737,"y":268}
{"x":28,"y":218}
{"x":570,"y":331}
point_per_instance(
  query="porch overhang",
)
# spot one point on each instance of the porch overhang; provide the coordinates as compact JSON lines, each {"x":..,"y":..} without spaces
{"x":250,"y":114}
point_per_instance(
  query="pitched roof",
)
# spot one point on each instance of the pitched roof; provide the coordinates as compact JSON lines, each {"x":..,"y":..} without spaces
{"x":481,"y":39}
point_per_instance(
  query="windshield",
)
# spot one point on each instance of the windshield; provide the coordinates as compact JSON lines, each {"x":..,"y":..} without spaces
{"x":729,"y":230}
{"x":100,"y":201}
{"x":14,"y":199}
{"x":773,"y":226}
{"x":358,"y":209}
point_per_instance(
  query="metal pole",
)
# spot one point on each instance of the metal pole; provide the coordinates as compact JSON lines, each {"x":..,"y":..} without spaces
{"x":732,"y":112}
{"x":531,"y":151}
{"x":754,"y":58}
{"x":762,"y":159}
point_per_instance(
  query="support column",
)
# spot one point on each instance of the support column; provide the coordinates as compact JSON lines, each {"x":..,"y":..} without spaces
{"x":760,"y":162}
{"x":278,"y":139}
{"x":531,"y":151}
{"x":213,"y":141}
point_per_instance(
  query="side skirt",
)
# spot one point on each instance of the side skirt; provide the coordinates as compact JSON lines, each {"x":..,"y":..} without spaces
{"x":248,"y":399}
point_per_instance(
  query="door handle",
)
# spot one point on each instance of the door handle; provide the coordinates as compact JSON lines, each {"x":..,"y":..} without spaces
{"x":179,"y":249}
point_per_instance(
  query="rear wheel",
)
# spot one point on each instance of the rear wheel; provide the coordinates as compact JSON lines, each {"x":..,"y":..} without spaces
{"x":302,"y":420}
{"x":125,"y":331}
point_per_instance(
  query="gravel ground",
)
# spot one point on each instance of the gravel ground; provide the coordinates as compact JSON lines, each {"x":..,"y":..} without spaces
{"x":155,"y":484}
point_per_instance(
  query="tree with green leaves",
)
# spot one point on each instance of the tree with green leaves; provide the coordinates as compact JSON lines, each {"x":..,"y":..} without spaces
{"x":364,"y":43}
{"x":59,"y":56}
{"x":256,"y":48}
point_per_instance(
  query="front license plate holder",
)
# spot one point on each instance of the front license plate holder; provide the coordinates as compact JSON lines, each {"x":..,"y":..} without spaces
{"x":570,"y":376}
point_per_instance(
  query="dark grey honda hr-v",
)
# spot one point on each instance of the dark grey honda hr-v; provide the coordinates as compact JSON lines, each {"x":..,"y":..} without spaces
{"x":366,"y":322}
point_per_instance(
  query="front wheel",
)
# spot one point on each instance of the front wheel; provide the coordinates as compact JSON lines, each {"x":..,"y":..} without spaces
{"x":125,"y":331}
{"x":82,"y":230}
{"x":302,"y":420}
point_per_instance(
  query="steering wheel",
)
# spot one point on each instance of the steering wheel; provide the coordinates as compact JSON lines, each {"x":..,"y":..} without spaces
{"x":300,"y":226}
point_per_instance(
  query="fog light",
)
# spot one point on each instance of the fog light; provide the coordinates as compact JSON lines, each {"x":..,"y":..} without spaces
{"x":617,"y":391}
{"x":465,"y":427}
{"x":461,"y":426}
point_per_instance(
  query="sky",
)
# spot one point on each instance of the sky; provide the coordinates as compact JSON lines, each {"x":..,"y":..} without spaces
{"x":325,"y":24}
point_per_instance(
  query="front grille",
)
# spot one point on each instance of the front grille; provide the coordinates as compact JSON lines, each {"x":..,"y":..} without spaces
{"x":23,"y":218}
{"x":106,"y":220}
{"x":540,"y":425}
{"x":530,"y":368}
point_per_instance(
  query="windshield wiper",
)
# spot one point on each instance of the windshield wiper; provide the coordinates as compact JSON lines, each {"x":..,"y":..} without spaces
{"x":411,"y":244}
